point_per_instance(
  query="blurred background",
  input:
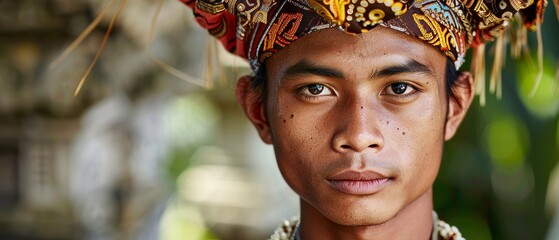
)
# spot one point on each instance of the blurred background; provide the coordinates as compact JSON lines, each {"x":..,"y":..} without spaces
{"x":142,"y":154}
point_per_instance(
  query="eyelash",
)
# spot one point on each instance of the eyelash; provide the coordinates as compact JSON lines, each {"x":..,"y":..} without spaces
{"x":415,"y":91}
{"x":300,"y":91}
{"x":307,"y":97}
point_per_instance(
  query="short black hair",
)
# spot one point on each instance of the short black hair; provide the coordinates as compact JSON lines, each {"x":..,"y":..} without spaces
{"x":260,"y":81}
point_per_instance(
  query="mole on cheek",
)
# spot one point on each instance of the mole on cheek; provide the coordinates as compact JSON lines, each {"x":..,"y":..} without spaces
{"x":291,"y":116}
{"x":284,"y":120}
{"x":403,"y":133}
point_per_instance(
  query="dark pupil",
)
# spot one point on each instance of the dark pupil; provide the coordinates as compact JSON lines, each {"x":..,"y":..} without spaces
{"x":399,"y":88}
{"x":315,"y":88}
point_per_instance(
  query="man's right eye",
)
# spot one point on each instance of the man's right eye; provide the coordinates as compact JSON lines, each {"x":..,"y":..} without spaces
{"x":316,"y":89}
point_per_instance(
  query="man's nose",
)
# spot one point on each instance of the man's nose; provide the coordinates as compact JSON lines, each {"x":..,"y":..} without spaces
{"x":358,"y":130}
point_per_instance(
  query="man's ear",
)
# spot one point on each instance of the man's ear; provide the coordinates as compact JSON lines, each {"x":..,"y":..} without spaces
{"x":253,"y":105}
{"x":463,"y":90}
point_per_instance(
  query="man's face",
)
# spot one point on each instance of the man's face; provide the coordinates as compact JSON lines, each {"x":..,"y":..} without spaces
{"x":357,"y":122}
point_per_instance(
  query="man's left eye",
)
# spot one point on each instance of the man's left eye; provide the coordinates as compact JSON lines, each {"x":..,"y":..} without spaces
{"x":399,"y":88}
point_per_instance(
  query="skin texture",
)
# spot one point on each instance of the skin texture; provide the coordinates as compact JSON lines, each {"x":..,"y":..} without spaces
{"x":333,"y":106}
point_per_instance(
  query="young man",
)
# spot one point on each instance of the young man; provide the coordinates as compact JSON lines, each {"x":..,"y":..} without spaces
{"x":358,"y":117}
{"x":358,"y":128}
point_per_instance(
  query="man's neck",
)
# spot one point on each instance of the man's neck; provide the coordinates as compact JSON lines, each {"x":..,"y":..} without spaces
{"x":415,"y":221}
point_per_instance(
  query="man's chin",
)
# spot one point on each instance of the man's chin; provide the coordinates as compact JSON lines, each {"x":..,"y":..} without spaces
{"x":362,"y":214}
{"x":360,"y":220}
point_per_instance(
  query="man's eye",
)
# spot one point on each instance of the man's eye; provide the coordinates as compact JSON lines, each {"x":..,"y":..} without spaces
{"x":316,"y":89}
{"x":399,"y":88}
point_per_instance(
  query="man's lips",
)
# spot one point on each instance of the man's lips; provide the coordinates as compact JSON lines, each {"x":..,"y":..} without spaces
{"x":358,"y":183}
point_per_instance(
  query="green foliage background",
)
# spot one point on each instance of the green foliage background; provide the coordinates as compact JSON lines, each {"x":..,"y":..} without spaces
{"x":494,"y":177}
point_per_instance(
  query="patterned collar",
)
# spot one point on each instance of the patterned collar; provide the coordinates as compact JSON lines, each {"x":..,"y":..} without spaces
{"x":289,"y":230}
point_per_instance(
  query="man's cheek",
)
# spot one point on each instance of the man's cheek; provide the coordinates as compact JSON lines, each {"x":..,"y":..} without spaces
{"x":420,"y":140}
{"x":427,"y":153}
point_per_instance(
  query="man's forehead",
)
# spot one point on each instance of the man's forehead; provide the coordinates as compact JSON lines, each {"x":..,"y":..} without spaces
{"x":379,"y":47}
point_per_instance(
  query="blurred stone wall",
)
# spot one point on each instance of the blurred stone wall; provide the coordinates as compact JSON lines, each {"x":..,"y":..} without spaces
{"x":103,"y":164}
{"x":42,"y":192}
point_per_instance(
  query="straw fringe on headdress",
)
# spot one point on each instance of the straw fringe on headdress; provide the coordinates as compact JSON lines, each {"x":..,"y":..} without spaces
{"x":113,"y":19}
{"x":529,"y":18}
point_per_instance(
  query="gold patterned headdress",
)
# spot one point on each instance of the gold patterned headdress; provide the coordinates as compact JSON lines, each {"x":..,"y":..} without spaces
{"x":255,"y":29}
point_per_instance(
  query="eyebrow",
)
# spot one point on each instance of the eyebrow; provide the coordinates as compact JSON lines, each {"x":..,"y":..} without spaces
{"x":305,"y":67}
{"x":410,"y":66}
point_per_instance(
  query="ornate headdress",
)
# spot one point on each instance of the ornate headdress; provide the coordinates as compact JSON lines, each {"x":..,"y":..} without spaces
{"x":255,"y":29}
